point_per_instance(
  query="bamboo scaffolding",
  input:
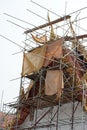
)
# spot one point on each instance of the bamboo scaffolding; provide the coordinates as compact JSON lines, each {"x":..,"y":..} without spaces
{"x":48,"y":24}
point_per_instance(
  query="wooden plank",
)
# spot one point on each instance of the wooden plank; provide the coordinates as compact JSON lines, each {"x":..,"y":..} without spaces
{"x":68,"y":38}
{"x":48,"y":24}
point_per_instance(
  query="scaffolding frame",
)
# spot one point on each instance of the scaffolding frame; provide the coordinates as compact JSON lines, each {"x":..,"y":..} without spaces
{"x":48,"y":107}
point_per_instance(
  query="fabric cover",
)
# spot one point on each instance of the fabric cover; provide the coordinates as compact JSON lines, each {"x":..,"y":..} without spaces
{"x":33,"y":60}
{"x":53,"y":50}
{"x":54,"y":82}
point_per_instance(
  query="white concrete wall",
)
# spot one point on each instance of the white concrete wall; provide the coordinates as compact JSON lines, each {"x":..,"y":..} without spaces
{"x":64,"y":116}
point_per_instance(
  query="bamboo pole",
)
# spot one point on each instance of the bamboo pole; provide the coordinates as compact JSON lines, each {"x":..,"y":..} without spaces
{"x":47,"y":24}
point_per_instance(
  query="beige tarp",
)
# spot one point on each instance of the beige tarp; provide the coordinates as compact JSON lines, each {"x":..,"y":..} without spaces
{"x":54,"y":82}
{"x":53,"y":50}
{"x":33,"y":60}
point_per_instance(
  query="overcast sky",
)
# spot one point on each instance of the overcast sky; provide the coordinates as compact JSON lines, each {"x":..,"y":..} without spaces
{"x":10,"y":65}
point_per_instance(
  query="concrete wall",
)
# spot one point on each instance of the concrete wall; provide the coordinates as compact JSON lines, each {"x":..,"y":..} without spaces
{"x":63,"y":117}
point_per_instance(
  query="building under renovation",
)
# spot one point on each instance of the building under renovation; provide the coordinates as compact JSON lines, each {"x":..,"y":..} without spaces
{"x":53,"y":89}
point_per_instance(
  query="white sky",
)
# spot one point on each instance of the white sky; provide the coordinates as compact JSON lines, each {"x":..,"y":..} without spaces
{"x":10,"y":65}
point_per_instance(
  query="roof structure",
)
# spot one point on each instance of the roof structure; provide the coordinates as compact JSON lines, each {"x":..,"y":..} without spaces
{"x":5,"y":120}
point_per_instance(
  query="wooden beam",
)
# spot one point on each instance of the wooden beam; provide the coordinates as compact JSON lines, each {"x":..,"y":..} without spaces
{"x":69,"y":38}
{"x":48,"y":24}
